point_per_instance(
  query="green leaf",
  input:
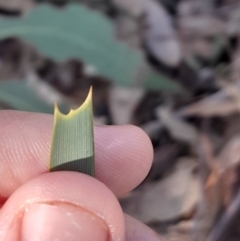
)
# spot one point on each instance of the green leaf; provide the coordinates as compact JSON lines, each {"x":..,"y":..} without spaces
{"x":76,"y":31}
{"x":19,"y":96}
{"x":72,"y":142}
{"x":157,"y":81}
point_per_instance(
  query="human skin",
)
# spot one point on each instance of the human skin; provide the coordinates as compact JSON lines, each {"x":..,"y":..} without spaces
{"x":37,"y":205}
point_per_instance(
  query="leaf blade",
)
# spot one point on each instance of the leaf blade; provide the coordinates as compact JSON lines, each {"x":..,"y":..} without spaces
{"x":75,"y":32}
{"x":72,"y":142}
{"x":18,"y":95}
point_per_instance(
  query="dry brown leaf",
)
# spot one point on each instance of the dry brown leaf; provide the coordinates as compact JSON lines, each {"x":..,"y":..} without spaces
{"x":123,"y":101}
{"x":134,"y":7}
{"x":17,"y":4}
{"x":222,"y":103}
{"x":160,"y":36}
{"x":230,"y":154}
{"x":180,"y":231}
{"x":203,"y":25}
{"x":228,"y":180}
{"x":209,"y":109}
{"x":174,"y":197}
{"x":179,"y":129}
{"x":229,"y":161}
{"x":211,"y":198}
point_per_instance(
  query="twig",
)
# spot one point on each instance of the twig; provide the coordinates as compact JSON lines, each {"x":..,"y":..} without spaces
{"x":210,"y":203}
{"x":225,"y":223}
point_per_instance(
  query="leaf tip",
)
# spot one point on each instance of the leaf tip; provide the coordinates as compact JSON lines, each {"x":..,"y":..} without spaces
{"x":86,"y":104}
{"x":56,"y":109}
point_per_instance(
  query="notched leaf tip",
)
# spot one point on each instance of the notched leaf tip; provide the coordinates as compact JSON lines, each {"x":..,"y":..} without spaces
{"x":86,"y":104}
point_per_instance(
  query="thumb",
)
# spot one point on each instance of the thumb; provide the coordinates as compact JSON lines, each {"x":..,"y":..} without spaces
{"x":62,"y":222}
{"x":62,"y":206}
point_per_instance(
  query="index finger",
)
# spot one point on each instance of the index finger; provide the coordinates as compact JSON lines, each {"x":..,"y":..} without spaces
{"x":123,"y":153}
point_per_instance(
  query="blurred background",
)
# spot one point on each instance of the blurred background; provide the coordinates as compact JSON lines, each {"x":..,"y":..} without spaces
{"x":171,"y":67}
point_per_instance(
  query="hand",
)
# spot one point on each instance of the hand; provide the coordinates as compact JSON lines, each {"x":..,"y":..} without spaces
{"x":68,"y":206}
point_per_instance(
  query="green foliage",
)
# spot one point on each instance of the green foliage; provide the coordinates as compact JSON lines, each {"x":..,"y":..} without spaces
{"x":19,"y":96}
{"x":76,"y":31}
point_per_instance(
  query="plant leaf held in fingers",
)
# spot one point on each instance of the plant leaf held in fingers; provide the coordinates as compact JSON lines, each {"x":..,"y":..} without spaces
{"x":72,"y":142}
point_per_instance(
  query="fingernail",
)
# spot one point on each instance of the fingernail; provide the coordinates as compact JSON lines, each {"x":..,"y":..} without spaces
{"x":62,"y":223}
